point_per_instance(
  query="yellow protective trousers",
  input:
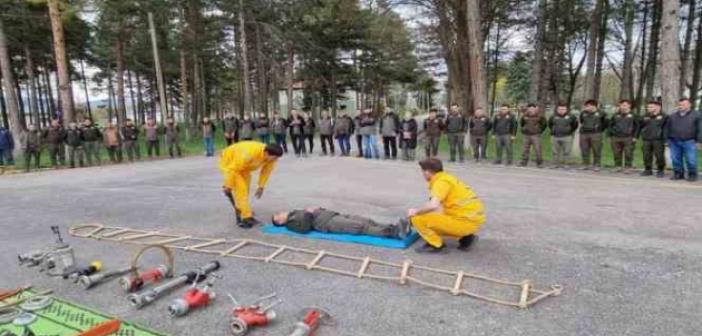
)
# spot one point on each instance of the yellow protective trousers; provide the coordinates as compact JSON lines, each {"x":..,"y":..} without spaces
{"x":238,"y":182}
{"x":432,"y":226}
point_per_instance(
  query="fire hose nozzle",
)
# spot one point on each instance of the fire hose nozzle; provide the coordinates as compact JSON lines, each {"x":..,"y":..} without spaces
{"x":88,"y":281}
{"x":301,"y":329}
{"x":179,"y":307}
{"x":133,"y":283}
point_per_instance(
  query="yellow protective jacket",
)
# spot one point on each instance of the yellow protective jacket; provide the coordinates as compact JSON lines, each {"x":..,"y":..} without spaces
{"x":246,"y":157}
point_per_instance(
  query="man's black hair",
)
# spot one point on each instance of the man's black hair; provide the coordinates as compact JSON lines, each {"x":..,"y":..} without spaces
{"x":592,"y":102}
{"x":531,"y":105}
{"x":274,"y":150}
{"x":654,"y":102}
{"x":433,"y":165}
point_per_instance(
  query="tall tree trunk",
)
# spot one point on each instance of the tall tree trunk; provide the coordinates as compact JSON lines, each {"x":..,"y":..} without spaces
{"x":244,"y":58}
{"x":537,"y":69}
{"x":595,"y":26}
{"x":627,"y":70}
{"x":131,"y":95}
{"x":652,"y":66}
{"x":42,"y":110}
{"x":184,"y":89}
{"x":601,"y":41}
{"x":85,"y":87}
{"x":196,"y":107}
{"x":333,"y":92}
{"x":687,"y":47}
{"x":8,"y":80}
{"x":20,"y":101}
{"x":31,"y":83}
{"x":290,"y":68}
{"x":110,"y":97}
{"x":3,"y":106}
{"x":261,"y":72}
{"x":159,"y":74}
{"x":477,"y":72}
{"x":642,"y":59}
{"x":670,"y":55}
{"x":49,"y":90}
{"x":697,"y":68}
{"x":64,"y":76}
{"x":121,"y":102}
{"x":140,"y":99}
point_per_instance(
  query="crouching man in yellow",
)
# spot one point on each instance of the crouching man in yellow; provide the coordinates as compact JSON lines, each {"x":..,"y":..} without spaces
{"x":454,"y":210}
{"x":237,"y":163}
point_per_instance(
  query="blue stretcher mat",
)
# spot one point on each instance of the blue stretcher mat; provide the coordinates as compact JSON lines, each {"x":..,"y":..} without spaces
{"x":346,"y":238}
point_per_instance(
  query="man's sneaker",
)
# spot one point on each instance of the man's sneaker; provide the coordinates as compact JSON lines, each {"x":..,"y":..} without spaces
{"x":677,"y":176}
{"x":596,"y":169}
{"x":647,"y":172}
{"x":692,"y":177}
{"x":465,"y":243}
{"x":427,"y":248}
{"x":404,"y":228}
{"x":660,"y":174}
{"x":522,"y":164}
{"x":586,"y":168}
{"x":497,"y":162}
{"x":628,"y":171}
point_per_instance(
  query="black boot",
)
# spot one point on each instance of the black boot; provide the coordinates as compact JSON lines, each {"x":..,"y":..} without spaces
{"x":248,"y":223}
{"x":692,"y":176}
{"x":465,"y":243}
{"x":427,"y":248}
{"x":660,"y":174}
{"x":677,"y":175}
{"x":404,"y":228}
{"x":647,"y":172}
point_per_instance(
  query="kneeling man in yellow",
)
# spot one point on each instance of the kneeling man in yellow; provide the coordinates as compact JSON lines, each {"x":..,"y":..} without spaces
{"x":237,"y":163}
{"x":454,"y":210}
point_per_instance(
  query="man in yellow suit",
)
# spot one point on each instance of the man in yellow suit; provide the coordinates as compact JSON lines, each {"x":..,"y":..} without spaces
{"x":454,"y":210}
{"x":237,"y":163}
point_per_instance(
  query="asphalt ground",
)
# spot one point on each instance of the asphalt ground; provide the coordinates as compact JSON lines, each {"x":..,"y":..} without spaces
{"x":625,"y":249}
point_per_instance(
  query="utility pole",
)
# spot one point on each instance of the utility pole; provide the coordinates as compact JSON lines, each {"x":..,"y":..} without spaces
{"x":159,"y":73}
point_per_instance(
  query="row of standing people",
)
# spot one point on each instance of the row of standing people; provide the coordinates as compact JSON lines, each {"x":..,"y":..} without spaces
{"x":81,"y":143}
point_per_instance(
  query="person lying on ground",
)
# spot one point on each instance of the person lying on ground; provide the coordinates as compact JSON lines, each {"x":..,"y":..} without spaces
{"x":324,"y":220}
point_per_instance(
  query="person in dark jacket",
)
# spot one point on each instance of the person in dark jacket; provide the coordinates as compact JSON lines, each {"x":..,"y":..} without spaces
{"x":74,"y":145}
{"x":684,"y":130}
{"x":31,"y":147}
{"x":623,"y":131}
{"x":456,"y":128}
{"x":563,"y":125}
{"x":359,"y":136}
{"x":308,"y":130}
{"x":297,"y":124}
{"x":7,"y":145}
{"x":130,"y":135}
{"x":53,"y":137}
{"x":533,"y":125}
{"x":505,"y":132}
{"x":323,"y":220}
{"x":92,"y":138}
{"x":230,"y":125}
{"x":593,"y":123}
{"x":263,"y":129}
{"x":152,"y":133}
{"x":653,"y":133}
{"x":172,"y":131}
{"x":279,"y":127}
{"x":343,"y":128}
{"x":389,"y":129}
{"x":433,"y":126}
{"x":326,"y":133}
{"x":208,"y":135}
{"x":408,"y":137}
{"x":480,"y":126}
{"x":247,"y":127}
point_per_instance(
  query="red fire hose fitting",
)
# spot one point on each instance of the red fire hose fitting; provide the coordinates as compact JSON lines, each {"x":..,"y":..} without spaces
{"x":195,"y":297}
{"x":313,"y":318}
{"x":133,"y":283}
{"x":246,"y":317}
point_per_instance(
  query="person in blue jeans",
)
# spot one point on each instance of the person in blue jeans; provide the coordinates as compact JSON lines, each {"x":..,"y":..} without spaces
{"x":208,"y":134}
{"x":684,"y":139}
{"x":7,"y":145}
{"x":369,"y":130}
